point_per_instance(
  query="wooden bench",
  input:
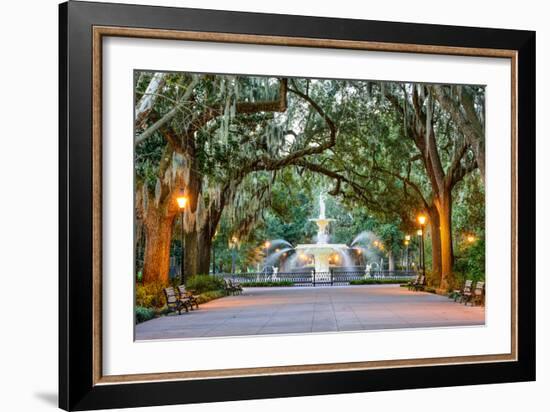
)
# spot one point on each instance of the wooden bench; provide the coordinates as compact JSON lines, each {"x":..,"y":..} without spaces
{"x":477,"y":295}
{"x":173,"y":302}
{"x":459,"y":294}
{"x":188,"y":295}
{"x":231,"y":288}
{"x":236,"y":286}
{"x":418,"y":284}
{"x":411,"y":284}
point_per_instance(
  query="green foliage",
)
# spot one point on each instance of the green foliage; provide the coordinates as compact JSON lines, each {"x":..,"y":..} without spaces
{"x":143,"y":314}
{"x":204,"y":283}
{"x":289,"y":214}
{"x":469,"y":195}
{"x":471,"y":262}
{"x":147,"y":158}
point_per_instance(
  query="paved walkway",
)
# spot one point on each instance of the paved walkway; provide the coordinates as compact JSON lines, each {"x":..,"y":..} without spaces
{"x":261,"y":311}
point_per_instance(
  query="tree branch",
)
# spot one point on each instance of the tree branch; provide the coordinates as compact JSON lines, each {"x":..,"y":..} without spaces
{"x":168,"y":116}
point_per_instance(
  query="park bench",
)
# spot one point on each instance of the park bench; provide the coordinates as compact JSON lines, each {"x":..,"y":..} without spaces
{"x":236,"y":286}
{"x":460,"y":294}
{"x":188,"y":295}
{"x":411,"y":284}
{"x":419,"y":284}
{"x":477,"y":295}
{"x":227,"y":287}
{"x":231,"y":288}
{"x":173,"y":302}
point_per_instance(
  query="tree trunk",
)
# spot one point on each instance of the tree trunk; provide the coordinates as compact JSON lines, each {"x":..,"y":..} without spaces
{"x":391,"y":262}
{"x":191,"y":264}
{"x":436,"y":244}
{"x":444,"y":207}
{"x":158,"y":229}
{"x":204,"y":251}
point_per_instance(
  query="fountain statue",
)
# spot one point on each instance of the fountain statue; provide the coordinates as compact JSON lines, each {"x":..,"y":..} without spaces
{"x":318,"y":254}
{"x":274,"y":274}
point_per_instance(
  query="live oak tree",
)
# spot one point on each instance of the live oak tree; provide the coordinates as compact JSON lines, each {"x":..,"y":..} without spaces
{"x":446,"y":154}
{"x":405,"y":152}
{"x":209,"y":134}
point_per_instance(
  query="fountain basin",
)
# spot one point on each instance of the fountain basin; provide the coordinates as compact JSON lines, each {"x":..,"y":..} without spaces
{"x":321,"y":253}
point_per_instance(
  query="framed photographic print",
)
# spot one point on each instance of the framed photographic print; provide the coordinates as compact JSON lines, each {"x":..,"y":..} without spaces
{"x":257,"y":205}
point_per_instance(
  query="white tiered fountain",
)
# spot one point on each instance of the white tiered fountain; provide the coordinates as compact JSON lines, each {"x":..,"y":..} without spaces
{"x":318,"y":255}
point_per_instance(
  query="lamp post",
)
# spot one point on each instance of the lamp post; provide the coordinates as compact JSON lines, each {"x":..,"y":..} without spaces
{"x":407,"y":241}
{"x":419,"y":234}
{"x":422,"y":219}
{"x":182,"y":202}
{"x":267,"y":246}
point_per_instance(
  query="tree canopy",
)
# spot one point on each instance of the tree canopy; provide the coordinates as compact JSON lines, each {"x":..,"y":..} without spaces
{"x":252,"y":154}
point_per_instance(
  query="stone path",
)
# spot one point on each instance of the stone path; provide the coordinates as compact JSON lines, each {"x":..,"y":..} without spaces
{"x":261,"y":311}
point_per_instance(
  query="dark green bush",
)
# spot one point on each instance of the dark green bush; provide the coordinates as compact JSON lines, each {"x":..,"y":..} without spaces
{"x":204,"y":283}
{"x":144,"y":314}
{"x":471,"y":264}
{"x":475,"y":255}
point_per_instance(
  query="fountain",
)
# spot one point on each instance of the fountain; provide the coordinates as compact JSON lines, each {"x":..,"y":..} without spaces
{"x":318,"y":255}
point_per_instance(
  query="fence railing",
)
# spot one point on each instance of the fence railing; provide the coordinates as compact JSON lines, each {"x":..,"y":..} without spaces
{"x":313,"y":278}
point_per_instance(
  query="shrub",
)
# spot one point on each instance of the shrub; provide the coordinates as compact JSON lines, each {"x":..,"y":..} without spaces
{"x":476,"y":260}
{"x":211,"y":295}
{"x":204,"y":283}
{"x":144,"y":314}
{"x":471,"y":265}
{"x":150,"y":295}
{"x":432,"y":279}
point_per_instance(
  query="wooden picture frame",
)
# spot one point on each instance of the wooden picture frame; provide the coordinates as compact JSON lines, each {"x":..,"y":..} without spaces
{"x":82,"y":27}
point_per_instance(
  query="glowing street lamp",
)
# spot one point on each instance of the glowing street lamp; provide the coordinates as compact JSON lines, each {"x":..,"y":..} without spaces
{"x":422,"y":219}
{"x":181,"y":200}
{"x":267,"y":245}
{"x":470,"y":238}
